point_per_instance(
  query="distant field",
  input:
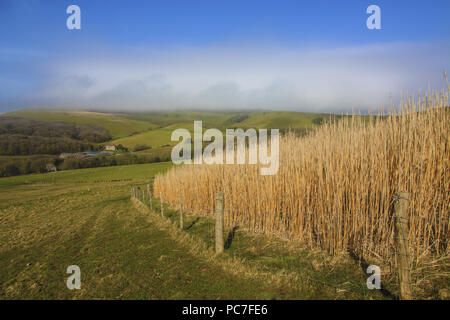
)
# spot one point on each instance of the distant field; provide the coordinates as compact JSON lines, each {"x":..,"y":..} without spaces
{"x":153,"y":138}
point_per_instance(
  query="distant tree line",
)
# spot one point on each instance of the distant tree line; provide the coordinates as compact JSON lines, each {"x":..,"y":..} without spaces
{"x":16,"y":145}
{"x":20,"y":136}
{"x":51,"y":128}
{"x":124,"y":159}
{"x":13,"y":166}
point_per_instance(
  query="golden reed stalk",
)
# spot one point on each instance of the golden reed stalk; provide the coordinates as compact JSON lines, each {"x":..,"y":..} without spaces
{"x":334,"y":188}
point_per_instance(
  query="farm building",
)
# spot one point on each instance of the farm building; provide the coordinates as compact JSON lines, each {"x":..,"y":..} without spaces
{"x":110,"y":147}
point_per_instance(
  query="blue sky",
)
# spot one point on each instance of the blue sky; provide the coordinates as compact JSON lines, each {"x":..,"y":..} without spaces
{"x":293,"y":55}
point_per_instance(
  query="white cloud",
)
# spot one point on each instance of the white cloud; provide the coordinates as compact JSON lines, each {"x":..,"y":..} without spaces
{"x":232,"y":77}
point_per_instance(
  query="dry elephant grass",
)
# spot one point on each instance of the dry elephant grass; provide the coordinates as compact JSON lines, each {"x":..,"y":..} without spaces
{"x":334,"y":188}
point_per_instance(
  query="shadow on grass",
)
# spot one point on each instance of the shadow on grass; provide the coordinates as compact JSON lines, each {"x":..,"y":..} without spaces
{"x":192,"y":223}
{"x":364,"y":265}
{"x":230,"y":237}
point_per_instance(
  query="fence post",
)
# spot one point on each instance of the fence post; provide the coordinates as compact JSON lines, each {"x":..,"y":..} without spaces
{"x":161,"y":202}
{"x":219,"y":221}
{"x":402,"y":244}
{"x":149,"y":196}
{"x":181,"y":212}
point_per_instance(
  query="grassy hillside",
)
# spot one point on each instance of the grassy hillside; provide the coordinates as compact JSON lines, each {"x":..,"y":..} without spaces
{"x":282,"y":120}
{"x":221,"y":120}
{"x":154,"y":138}
{"x":117,"y":125}
{"x":164,"y":119}
{"x":154,"y":129}
{"x":259,"y":120}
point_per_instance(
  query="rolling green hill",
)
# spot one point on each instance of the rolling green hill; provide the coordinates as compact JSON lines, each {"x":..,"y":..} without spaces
{"x":258,"y":120}
{"x":282,"y":120}
{"x":116,"y":124}
{"x":153,"y":138}
{"x":221,"y":120}
{"x":164,"y":119}
{"x":154,"y":129}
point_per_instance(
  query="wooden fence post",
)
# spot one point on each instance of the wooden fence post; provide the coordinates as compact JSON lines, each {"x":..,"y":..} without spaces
{"x":149,"y":196}
{"x":181,"y":212}
{"x":161,"y":202}
{"x":219,"y":221}
{"x":402,"y":244}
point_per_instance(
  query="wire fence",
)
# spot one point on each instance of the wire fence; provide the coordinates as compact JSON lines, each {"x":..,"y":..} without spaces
{"x":403,"y":257}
